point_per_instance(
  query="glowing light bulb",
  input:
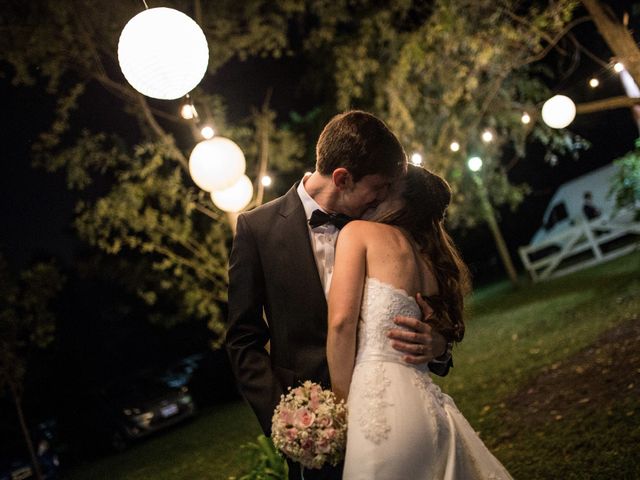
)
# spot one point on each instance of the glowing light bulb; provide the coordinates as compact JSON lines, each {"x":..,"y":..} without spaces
{"x":618,"y":67}
{"x":475,"y":164}
{"x":455,"y":146}
{"x":266,"y":180}
{"x":594,"y":82}
{"x":525,"y":118}
{"x":187,"y":111}
{"x":207,"y":132}
{"x":487,"y":136}
{"x":416,"y":159}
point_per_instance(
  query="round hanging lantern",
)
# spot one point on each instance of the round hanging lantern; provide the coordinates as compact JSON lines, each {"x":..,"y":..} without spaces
{"x":234,"y":198}
{"x":559,"y":111}
{"x":216,"y":164}
{"x":163,"y":53}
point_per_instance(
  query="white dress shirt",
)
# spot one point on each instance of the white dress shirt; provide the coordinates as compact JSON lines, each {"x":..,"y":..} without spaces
{"x":323,"y":239}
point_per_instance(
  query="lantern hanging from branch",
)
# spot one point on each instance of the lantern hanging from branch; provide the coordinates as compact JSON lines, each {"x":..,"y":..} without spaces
{"x":163,"y":53}
{"x":559,"y":111}
{"x":234,"y":198}
{"x":216,"y":164}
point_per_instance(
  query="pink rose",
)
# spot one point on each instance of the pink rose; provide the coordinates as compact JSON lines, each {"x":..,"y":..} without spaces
{"x":329,"y":433}
{"x":323,"y":445}
{"x":303,"y":418}
{"x":324,"y":421}
{"x":307,"y":444}
{"x":292,"y":433}
{"x":286,"y":416}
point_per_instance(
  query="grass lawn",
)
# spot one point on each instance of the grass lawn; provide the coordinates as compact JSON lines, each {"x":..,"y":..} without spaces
{"x":549,"y":374}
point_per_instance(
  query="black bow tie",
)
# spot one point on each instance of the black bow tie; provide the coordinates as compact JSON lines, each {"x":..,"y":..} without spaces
{"x":318,"y":217}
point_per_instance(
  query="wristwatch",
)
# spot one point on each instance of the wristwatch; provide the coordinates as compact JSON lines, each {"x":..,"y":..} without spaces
{"x":446,"y":356}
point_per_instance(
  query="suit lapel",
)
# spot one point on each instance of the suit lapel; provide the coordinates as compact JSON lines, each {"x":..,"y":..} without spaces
{"x":296,"y":239}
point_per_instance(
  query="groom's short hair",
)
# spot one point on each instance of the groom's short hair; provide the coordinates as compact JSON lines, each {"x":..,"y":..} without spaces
{"x":361,"y":143}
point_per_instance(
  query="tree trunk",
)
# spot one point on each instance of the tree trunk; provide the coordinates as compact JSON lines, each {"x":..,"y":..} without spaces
{"x":495,"y":231}
{"x":617,"y":36}
{"x":25,"y":431}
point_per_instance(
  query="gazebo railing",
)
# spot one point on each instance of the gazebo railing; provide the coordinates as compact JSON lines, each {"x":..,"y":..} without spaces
{"x":585,"y":244}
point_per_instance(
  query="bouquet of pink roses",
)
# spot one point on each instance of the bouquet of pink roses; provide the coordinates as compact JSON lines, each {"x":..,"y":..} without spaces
{"x":310,"y":426}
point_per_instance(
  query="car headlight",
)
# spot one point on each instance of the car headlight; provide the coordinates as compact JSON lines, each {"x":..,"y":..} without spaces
{"x":144,"y":418}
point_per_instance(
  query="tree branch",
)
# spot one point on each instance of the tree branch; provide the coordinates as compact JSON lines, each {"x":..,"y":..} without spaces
{"x":553,"y":41}
{"x":607,"y":104}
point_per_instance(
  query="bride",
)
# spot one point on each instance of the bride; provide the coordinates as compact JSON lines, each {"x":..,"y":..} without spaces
{"x":401,"y":426}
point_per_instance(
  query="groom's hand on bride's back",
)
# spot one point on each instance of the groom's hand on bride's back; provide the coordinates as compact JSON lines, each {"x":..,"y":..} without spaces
{"x":418,"y":340}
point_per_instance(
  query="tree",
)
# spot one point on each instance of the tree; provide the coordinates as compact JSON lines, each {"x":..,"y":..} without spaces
{"x":625,"y":187}
{"x":26,"y":322}
{"x":136,"y":196}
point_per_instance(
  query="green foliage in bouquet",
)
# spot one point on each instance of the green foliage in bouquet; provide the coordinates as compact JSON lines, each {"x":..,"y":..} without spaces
{"x":263,"y":461}
{"x":625,"y":185}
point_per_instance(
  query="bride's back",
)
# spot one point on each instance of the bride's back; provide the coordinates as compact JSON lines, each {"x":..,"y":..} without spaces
{"x":394,"y":259}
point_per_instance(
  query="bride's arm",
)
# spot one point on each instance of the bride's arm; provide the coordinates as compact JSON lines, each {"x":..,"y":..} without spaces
{"x":345,"y":297}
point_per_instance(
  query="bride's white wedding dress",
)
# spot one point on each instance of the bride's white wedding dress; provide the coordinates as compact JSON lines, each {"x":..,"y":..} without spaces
{"x":401,"y":426}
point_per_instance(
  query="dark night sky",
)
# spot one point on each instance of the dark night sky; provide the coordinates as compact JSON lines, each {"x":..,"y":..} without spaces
{"x":37,"y":209}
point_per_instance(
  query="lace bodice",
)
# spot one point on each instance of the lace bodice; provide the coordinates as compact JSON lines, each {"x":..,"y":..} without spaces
{"x":381,"y":303}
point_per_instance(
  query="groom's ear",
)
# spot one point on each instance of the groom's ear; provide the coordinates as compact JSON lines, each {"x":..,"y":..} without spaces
{"x":342,"y":178}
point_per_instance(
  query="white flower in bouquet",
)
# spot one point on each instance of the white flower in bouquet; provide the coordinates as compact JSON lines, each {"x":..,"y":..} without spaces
{"x":309,"y":426}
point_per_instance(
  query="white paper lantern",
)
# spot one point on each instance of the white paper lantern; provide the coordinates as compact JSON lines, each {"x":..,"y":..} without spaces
{"x":163,"y":53}
{"x":234,"y":198}
{"x":559,"y":111}
{"x":216,"y":164}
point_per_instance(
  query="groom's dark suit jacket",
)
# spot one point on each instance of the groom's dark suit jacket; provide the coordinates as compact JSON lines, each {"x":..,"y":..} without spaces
{"x":272,"y":267}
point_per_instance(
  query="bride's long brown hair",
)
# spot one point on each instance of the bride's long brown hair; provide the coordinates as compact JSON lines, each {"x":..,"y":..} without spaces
{"x":426,"y":198}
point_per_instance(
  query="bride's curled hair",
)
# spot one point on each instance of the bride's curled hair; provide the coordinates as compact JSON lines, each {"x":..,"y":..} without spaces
{"x":426,"y":198}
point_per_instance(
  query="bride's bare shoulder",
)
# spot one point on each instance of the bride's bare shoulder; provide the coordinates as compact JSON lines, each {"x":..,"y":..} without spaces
{"x":369,"y":230}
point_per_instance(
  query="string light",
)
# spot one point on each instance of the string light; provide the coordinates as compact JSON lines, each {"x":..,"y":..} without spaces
{"x":525,"y":118}
{"x":416,"y":159}
{"x":455,"y":146}
{"x":618,"y":67}
{"x":188,"y":112}
{"x":266,"y":180}
{"x":207,"y":132}
{"x":594,"y":82}
{"x":475,"y":164}
{"x":487,"y":136}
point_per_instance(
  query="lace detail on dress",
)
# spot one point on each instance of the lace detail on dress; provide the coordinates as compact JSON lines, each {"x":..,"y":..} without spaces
{"x":429,"y":389}
{"x":372,"y":419}
{"x":381,"y":304}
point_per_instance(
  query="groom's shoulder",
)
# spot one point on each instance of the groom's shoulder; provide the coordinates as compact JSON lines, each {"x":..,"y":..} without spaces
{"x":270,"y":209}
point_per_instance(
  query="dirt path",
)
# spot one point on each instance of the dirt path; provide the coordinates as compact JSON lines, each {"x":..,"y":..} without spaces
{"x":603,"y":374}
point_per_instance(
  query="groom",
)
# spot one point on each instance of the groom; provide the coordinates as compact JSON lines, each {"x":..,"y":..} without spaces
{"x":282,"y":261}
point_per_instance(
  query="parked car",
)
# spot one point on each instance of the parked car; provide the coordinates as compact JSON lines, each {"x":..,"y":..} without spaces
{"x":132,"y":408}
